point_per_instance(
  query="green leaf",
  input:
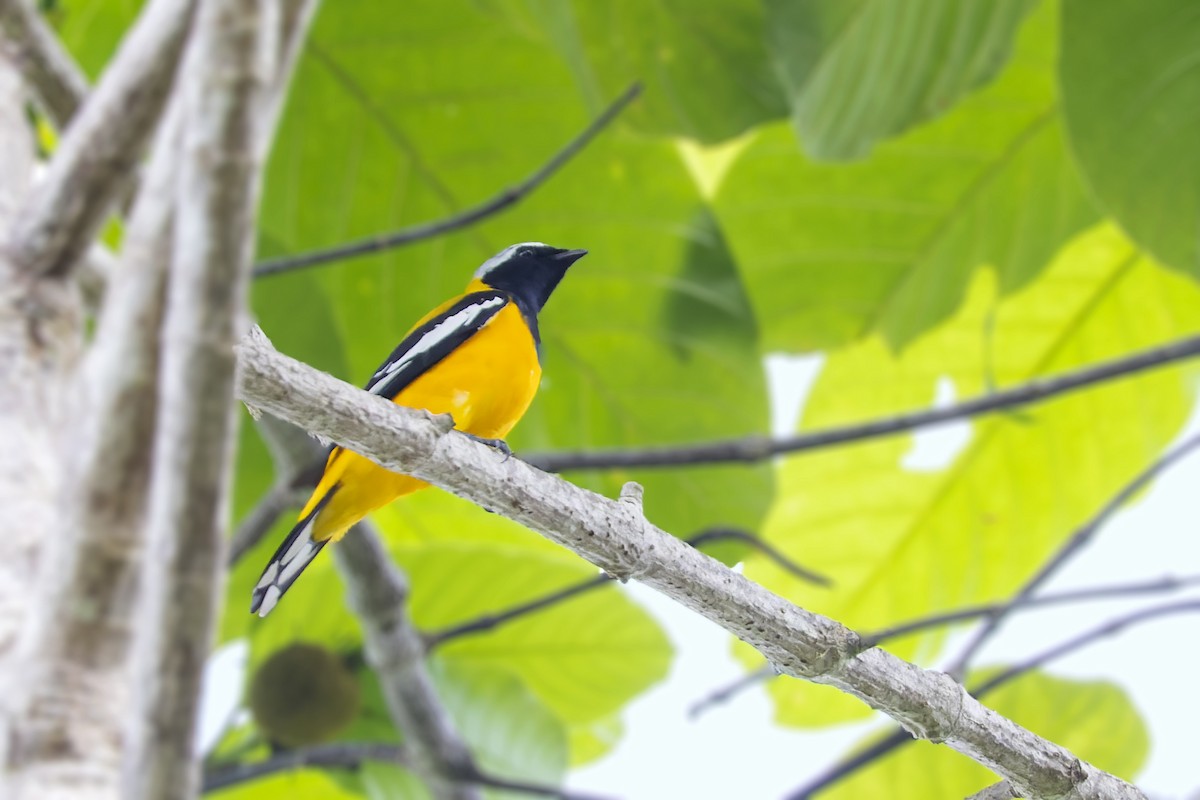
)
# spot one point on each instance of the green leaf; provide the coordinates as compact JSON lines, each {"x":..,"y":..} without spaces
{"x":594,"y":740}
{"x":831,"y":253}
{"x":600,"y":640}
{"x":1095,"y":720}
{"x":902,"y":543}
{"x":509,"y":732}
{"x":705,"y":66}
{"x":301,"y":784}
{"x":859,"y":71}
{"x":92,"y":29}
{"x":426,"y":120}
{"x":1131,"y":97}
{"x":389,"y":782}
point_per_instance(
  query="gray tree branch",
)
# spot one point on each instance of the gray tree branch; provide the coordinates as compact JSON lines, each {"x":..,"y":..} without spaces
{"x":70,"y":732}
{"x":615,"y":536}
{"x":101,"y":146}
{"x":39,"y":341}
{"x":230,"y":63}
{"x":1163,"y":585}
{"x":58,"y":83}
{"x":899,"y":737}
{"x":378,"y":594}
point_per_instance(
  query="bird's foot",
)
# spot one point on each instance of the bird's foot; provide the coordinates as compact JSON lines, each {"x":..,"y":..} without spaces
{"x":497,"y":444}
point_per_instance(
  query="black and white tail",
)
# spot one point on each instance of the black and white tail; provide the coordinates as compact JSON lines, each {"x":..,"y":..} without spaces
{"x":293,"y":555}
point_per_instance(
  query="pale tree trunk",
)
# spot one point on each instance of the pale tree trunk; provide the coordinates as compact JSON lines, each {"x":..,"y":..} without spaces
{"x":69,"y":590}
{"x":39,"y":341}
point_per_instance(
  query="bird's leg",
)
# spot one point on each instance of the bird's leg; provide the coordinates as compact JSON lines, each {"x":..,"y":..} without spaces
{"x":498,"y":444}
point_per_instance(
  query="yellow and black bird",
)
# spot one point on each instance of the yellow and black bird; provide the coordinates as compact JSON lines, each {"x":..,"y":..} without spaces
{"x":474,"y":357}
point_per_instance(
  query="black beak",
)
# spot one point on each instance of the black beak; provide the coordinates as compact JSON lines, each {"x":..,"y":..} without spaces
{"x":569,"y":257}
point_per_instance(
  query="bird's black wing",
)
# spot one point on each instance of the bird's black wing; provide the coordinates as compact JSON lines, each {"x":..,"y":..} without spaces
{"x":434,"y":340}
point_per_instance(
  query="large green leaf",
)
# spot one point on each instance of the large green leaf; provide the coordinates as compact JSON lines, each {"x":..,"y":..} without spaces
{"x":862,"y":70}
{"x":584,"y":658}
{"x":397,"y":118}
{"x":1131,"y":96}
{"x":705,"y":66}
{"x":510,"y":733}
{"x":902,"y":543}
{"x":1095,"y":720}
{"x":833,"y":252}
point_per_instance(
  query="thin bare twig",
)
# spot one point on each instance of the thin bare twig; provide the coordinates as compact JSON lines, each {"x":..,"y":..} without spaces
{"x":378,"y":592}
{"x":48,"y":68}
{"x":261,"y":519}
{"x":463,"y":219}
{"x":351,"y":755}
{"x":1078,"y":540}
{"x":723,"y":694}
{"x":899,"y":737}
{"x":1110,"y":628}
{"x":752,"y":449}
{"x":1110,"y":592}
{"x":489,"y":622}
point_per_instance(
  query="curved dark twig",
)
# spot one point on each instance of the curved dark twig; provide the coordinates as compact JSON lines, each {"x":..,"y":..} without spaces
{"x":350,"y":755}
{"x":507,"y":197}
{"x":729,"y":691}
{"x":753,"y":449}
{"x":488,"y":622}
{"x":1070,"y":548}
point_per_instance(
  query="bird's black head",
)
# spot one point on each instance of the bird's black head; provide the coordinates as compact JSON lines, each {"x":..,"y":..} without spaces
{"x":528,"y":271}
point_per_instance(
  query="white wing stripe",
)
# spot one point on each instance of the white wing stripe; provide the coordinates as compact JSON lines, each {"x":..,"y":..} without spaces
{"x":432,"y":338}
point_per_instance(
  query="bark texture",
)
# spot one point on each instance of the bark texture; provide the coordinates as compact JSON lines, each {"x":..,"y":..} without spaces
{"x":229,"y":65}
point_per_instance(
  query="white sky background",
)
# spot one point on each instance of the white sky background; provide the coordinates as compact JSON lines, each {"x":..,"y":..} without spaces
{"x":736,"y":751}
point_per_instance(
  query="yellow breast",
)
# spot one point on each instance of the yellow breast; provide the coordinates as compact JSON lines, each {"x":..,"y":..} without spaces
{"x":488,"y":383}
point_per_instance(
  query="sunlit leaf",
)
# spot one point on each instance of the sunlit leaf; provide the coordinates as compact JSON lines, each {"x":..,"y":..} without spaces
{"x":902,"y":543}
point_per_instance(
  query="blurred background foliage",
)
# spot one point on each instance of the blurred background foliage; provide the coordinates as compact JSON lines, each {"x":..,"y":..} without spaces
{"x":923,"y":190}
